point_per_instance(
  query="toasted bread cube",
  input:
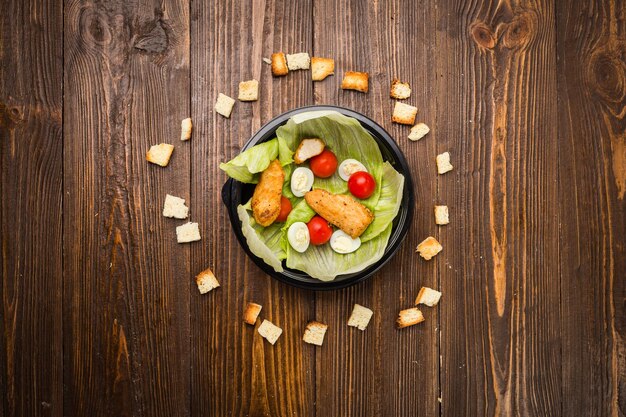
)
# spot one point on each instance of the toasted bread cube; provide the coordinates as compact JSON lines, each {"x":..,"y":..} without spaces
{"x":270,"y":331}
{"x":404,"y":113}
{"x":321,"y":68}
{"x":314,"y":333}
{"x":443,"y":163}
{"x":188,"y":232}
{"x":174,"y":207}
{"x":428,"y":296}
{"x":160,"y":154}
{"x":400,"y":90}
{"x":358,"y":81}
{"x":267,"y":61}
{"x":185,"y":129}
{"x":429,"y":248}
{"x":409,"y":317}
{"x":251,"y":313}
{"x":249,"y":90}
{"x":224,"y":105}
{"x":441,"y":215}
{"x":298,"y":61}
{"x":360,"y":317}
{"x":308,"y":148}
{"x":279,"y":64}
{"x":206,"y":281}
{"x":418,"y":131}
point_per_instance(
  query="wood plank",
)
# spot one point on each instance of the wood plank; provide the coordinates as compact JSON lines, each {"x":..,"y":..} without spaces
{"x":126,"y":292}
{"x":592,"y":157}
{"x":233,"y":370}
{"x":496,"y":110}
{"x":383,"y":371}
{"x":31,"y":165}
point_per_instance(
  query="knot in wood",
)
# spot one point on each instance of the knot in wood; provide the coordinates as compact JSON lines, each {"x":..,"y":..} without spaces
{"x":94,"y":27}
{"x":483,"y":35}
{"x":606,"y":73}
{"x":520,"y":31}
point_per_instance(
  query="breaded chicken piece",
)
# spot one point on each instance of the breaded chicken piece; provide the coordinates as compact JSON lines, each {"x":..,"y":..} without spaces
{"x":341,"y":210}
{"x":266,"y":197}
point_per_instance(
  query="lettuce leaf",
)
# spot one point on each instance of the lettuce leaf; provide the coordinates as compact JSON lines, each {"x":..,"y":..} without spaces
{"x":386,"y":210}
{"x":264,"y":242}
{"x":256,"y":159}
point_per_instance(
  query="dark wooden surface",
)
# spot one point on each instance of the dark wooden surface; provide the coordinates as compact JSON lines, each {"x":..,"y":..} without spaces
{"x":100,"y":314}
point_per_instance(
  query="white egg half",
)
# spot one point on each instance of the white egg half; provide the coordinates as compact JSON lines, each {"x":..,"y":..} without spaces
{"x":349,"y":167}
{"x":298,"y":236}
{"x":301,"y":181}
{"x":341,"y":242}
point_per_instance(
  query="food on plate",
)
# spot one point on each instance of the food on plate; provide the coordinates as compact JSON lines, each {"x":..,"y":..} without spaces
{"x":285,"y":209}
{"x":322,"y":68}
{"x":299,"y":236}
{"x":341,"y":210}
{"x":400,"y":90}
{"x":224,"y":105}
{"x":404,"y":113}
{"x":160,"y":154}
{"x":248,"y":90}
{"x":349,"y":167}
{"x":441,"y":215}
{"x":353,"y":80}
{"x":319,"y":230}
{"x":443,"y":163}
{"x":314,"y":333}
{"x":341,"y":242}
{"x":418,"y":131}
{"x":266,"y":202}
{"x":361,"y":184}
{"x":279,"y":64}
{"x":298,"y":61}
{"x":251,"y":313}
{"x":308,"y":148}
{"x":175,"y":207}
{"x":270,"y":331}
{"x":360,"y":317}
{"x":188,"y":232}
{"x":324,"y":165}
{"x":428,"y":248}
{"x":302,"y":180}
{"x":409,"y":317}
{"x":206,"y":281}
{"x":428,"y":296}
{"x":185,"y":129}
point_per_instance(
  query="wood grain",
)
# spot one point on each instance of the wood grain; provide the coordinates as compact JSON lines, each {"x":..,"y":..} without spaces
{"x":592,"y":156}
{"x":31,"y":163}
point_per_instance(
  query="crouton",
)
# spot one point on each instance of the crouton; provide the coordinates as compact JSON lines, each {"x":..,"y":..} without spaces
{"x":251,"y":313}
{"x":441,"y":215}
{"x":443,"y":163}
{"x":248,"y":90}
{"x":360,"y":317}
{"x":314,"y":333}
{"x":267,"y":61}
{"x":322,"y":68}
{"x":174,"y":207}
{"x":429,"y":248}
{"x":428,"y":296}
{"x":185,"y":129}
{"x":404,"y":113}
{"x":224,"y":105}
{"x":400,"y":90}
{"x":270,"y":331}
{"x":160,"y":154}
{"x":409,"y":317}
{"x":206,"y":281}
{"x":279,"y":64}
{"x":188,"y":232}
{"x":298,"y":61}
{"x":341,"y":210}
{"x":418,"y":131}
{"x":358,"y":81}
{"x":308,"y":148}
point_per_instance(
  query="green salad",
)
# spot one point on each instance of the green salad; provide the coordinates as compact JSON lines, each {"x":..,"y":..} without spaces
{"x":277,"y":243}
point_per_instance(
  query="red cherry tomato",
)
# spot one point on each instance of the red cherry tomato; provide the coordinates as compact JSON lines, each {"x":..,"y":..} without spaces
{"x":361,"y":184}
{"x":285,"y":209}
{"x":324,"y":165}
{"x":319,"y":230}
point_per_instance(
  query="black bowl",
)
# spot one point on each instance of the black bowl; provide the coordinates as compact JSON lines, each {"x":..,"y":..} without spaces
{"x":235,"y":193}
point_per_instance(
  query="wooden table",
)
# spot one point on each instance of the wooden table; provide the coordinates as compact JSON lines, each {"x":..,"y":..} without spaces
{"x":100,"y":314}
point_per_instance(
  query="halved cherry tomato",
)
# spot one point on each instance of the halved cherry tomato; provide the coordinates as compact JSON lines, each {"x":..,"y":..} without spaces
{"x":361,"y":184}
{"x":319,"y":230}
{"x":285,"y":209}
{"x":324,"y":165}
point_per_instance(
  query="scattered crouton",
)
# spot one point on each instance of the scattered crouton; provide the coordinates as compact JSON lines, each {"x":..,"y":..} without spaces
{"x":358,"y":81}
{"x":308,"y":148}
{"x":418,"y":131}
{"x":298,"y":61}
{"x":441,"y":215}
{"x":443,"y":163}
{"x":279,"y":64}
{"x":270,"y":331}
{"x":267,"y":61}
{"x":249,"y":90}
{"x":314,"y":333}
{"x":206,"y":281}
{"x":400,"y":90}
{"x":160,"y":154}
{"x":428,"y":296}
{"x":404,"y":113}
{"x":322,"y":68}
{"x":409,"y":317}
{"x":188,"y":232}
{"x":429,"y":248}
{"x":360,"y":317}
{"x":174,"y":207}
{"x":251,"y":313}
{"x":185,"y":129}
{"x":224,"y":105}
